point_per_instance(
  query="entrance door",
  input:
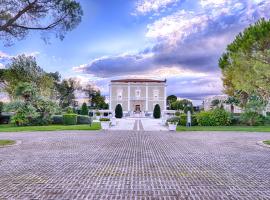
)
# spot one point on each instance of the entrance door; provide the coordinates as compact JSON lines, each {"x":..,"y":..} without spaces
{"x":137,"y":108}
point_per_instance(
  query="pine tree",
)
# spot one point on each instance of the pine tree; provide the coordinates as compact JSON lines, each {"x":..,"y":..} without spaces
{"x":118,"y":111}
{"x":157,"y":111}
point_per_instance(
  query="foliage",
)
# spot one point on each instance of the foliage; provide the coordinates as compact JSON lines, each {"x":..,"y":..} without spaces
{"x":118,"y":111}
{"x":232,"y":101}
{"x":98,"y":113}
{"x":216,"y":117}
{"x":183,"y":120}
{"x":57,"y":119}
{"x":66,"y":92}
{"x":5,"y":118}
{"x":84,"y":110}
{"x":173,"y":120}
{"x":24,"y":69}
{"x":184,"y":105}
{"x":266,"y":142}
{"x":246,"y":63}
{"x":216,"y":103}
{"x":104,"y":119}
{"x":6,"y":142}
{"x":70,"y":119}
{"x":69,"y":110}
{"x":171,"y":99}
{"x":157,"y":112}
{"x":31,"y":109}
{"x":83,"y":119}
{"x":251,"y":118}
{"x":18,"y":17}
{"x":1,"y":107}
{"x":177,"y":113}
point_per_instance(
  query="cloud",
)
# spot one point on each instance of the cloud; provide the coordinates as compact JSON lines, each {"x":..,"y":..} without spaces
{"x":2,"y":66}
{"x":146,"y":6}
{"x":184,"y":43}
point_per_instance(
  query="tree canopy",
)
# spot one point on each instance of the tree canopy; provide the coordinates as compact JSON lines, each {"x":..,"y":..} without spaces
{"x":18,"y":17}
{"x":246,"y":63}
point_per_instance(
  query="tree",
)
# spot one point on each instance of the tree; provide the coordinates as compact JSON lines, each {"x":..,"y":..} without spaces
{"x":232,"y":101}
{"x":171,"y":99}
{"x":246,"y":63}
{"x":18,"y":17}
{"x":84,"y":110}
{"x":184,"y":105}
{"x":66,"y":92}
{"x":118,"y":111}
{"x":157,"y":112}
{"x":216,"y":103}
{"x":24,"y":69}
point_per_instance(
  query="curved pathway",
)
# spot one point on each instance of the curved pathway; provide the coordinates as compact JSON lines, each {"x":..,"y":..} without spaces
{"x":135,"y":165}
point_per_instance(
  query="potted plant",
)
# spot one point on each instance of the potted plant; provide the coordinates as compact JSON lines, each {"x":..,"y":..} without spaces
{"x":97,"y":115}
{"x":105,"y":123}
{"x":172,"y":123}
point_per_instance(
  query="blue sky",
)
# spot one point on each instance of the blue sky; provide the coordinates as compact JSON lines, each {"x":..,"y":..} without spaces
{"x":180,"y":40}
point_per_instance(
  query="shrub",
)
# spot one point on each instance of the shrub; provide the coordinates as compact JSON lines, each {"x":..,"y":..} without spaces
{"x":70,"y":119}
{"x":183,"y":120}
{"x":251,"y":118}
{"x":83,"y":119}
{"x":69,"y":110}
{"x":157,"y":111}
{"x":216,"y":117}
{"x":1,"y":107}
{"x":177,"y":114}
{"x":84,"y":110}
{"x":97,"y":113}
{"x":104,"y":119}
{"x":235,"y":119}
{"x":173,"y":120}
{"x":5,"y":119}
{"x":118,"y":111}
{"x":57,"y":119}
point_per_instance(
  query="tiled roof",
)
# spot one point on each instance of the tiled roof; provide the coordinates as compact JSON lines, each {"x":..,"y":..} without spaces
{"x":139,"y":81}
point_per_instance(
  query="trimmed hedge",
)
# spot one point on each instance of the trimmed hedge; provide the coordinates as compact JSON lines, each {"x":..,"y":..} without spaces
{"x":83,"y":119}
{"x":118,"y":111}
{"x":70,"y":119}
{"x":57,"y":119}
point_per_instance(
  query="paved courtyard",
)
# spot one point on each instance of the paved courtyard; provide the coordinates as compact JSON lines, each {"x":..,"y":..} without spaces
{"x":135,"y":165}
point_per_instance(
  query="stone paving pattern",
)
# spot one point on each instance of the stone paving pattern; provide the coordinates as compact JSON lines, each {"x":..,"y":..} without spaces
{"x":135,"y":165}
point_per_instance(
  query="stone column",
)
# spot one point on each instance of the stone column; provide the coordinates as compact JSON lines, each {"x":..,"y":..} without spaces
{"x":128,"y":97}
{"x":110,"y":103}
{"x":165,"y":96}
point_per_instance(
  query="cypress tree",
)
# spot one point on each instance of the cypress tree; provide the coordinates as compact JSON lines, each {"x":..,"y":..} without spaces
{"x":118,"y":111}
{"x":84,"y":110}
{"x":157,"y":112}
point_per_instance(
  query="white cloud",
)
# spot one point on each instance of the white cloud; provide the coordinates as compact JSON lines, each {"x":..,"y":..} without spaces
{"x":146,"y":6}
{"x":2,"y":66}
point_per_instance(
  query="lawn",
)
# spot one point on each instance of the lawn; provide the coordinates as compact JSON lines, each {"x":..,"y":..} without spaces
{"x":226,"y":128}
{"x":12,"y":128}
{"x":6,"y":142}
{"x":267,"y":142}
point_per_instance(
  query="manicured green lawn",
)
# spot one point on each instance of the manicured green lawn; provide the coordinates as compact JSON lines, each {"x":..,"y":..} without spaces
{"x":12,"y":128}
{"x":6,"y":142}
{"x":266,"y":142}
{"x":226,"y":128}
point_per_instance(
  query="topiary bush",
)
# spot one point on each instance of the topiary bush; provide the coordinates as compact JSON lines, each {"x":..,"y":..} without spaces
{"x":216,"y":117}
{"x":70,"y":119}
{"x":157,"y":112}
{"x":84,"y":110}
{"x":57,"y":119}
{"x":118,"y":111}
{"x":83,"y":119}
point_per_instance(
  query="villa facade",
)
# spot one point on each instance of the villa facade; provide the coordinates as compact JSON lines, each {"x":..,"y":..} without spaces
{"x":138,"y":95}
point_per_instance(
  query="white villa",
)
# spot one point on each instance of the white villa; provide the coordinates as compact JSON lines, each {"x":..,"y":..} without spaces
{"x":138,"y":96}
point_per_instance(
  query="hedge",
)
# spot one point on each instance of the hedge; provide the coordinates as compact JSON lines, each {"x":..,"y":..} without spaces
{"x":70,"y":119}
{"x":57,"y":119}
{"x":83,"y":119}
{"x":216,"y":117}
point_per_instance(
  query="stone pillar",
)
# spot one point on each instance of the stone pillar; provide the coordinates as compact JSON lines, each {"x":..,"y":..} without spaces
{"x":110,"y":103}
{"x":146,"y":98}
{"x":165,"y":96}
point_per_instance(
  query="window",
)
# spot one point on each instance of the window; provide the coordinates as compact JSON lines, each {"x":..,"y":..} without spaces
{"x":138,"y":93}
{"x":119,"y":94}
{"x":156,"y":94}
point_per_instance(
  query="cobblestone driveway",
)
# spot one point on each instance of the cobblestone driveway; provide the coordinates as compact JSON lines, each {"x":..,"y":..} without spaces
{"x":135,"y":165}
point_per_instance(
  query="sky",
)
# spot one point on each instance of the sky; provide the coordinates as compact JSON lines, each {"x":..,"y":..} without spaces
{"x":177,"y":40}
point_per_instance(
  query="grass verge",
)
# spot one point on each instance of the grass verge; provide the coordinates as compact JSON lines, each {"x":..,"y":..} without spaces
{"x":226,"y":128}
{"x":266,"y":142}
{"x":12,"y":128}
{"x":6,"y":142}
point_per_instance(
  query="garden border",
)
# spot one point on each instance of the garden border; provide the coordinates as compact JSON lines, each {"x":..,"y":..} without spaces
{"x":260,"y":143}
